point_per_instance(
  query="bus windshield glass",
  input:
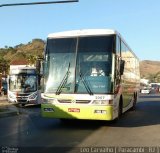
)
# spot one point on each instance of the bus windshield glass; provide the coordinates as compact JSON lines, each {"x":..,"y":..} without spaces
{"x":79,"y":65}
{"x":23,"y":83}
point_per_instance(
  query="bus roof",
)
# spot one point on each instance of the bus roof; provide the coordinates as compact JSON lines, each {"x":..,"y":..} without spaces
{"x":83,"y":32}
{"x":21,"y":67}
{"x":87,"y":32}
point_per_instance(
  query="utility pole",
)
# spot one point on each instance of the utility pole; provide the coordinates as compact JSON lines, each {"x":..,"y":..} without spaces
{"x":38,"y":3}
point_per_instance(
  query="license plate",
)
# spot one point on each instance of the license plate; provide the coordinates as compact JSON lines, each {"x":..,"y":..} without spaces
{"x":74,"y":110}
{"x":48,"y":110}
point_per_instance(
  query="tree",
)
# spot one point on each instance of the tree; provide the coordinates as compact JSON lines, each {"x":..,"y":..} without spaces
{"x":151,"y":77}
{"x":157,"y":77}
{"x":4,"y":66}
{"x":31,"y":59}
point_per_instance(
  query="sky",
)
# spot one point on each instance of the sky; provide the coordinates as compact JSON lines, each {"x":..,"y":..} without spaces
{"x":138,"y":21}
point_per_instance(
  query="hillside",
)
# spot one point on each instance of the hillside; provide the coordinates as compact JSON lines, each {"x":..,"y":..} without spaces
{"x":26,"y":53}
{"x":149,"y":67}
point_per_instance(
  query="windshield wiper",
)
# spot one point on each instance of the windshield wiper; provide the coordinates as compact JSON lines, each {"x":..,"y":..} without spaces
{"x":63,"y":82}
{"x":85,"y":84}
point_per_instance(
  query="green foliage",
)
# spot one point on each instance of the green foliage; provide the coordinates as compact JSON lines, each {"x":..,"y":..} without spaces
{"x":4,"y":66}
{"x":27,"y":52}
{"x":153,"y":77}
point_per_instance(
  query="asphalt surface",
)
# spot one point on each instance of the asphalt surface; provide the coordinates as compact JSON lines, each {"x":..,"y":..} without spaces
{"x":29,"y":132}
{"x":6,"y":108}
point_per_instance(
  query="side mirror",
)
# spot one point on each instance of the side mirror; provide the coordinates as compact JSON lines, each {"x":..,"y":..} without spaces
{"x":122,"y":63}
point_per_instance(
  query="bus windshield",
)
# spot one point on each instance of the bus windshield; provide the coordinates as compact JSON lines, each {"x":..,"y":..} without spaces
{"x":23,"y":83}
{"x":79,"y":65}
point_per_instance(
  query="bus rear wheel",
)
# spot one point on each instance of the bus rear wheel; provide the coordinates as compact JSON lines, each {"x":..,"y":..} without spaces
{"x":134,"y":102}
{"x":120,"y":110}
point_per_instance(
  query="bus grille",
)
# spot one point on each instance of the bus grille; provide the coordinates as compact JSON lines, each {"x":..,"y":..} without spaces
{"x":64,"y":101}
{"x":83,"y":101}
{"x":72,"y":101}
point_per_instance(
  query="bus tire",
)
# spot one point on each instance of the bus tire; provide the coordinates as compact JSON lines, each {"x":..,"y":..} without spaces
{"x":134,"y":102}
{"x":119,"y":111}
{"x":21,"y":105}
{"x":120,"y":108}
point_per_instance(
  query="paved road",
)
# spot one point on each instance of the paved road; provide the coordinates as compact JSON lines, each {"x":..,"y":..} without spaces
{"x":30,"y":131}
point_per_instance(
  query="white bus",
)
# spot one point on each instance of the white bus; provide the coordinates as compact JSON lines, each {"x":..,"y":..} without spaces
{"x":89,"y":74}
{"x":23,"y":85}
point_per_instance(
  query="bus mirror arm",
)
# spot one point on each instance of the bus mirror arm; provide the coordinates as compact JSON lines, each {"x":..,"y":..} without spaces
{"x":122,"y":63}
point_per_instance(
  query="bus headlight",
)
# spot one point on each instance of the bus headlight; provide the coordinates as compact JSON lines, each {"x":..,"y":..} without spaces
{"x":12,"y":96}
{"x":103,"y":102}
{"x":33,"y":96}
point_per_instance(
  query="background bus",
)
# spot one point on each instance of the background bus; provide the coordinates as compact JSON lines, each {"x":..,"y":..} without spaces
{"x":89,"y":74}
{"x":23,"y":85}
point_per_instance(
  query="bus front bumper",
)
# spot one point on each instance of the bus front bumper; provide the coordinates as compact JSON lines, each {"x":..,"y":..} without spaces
{"x":76,"y":111}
